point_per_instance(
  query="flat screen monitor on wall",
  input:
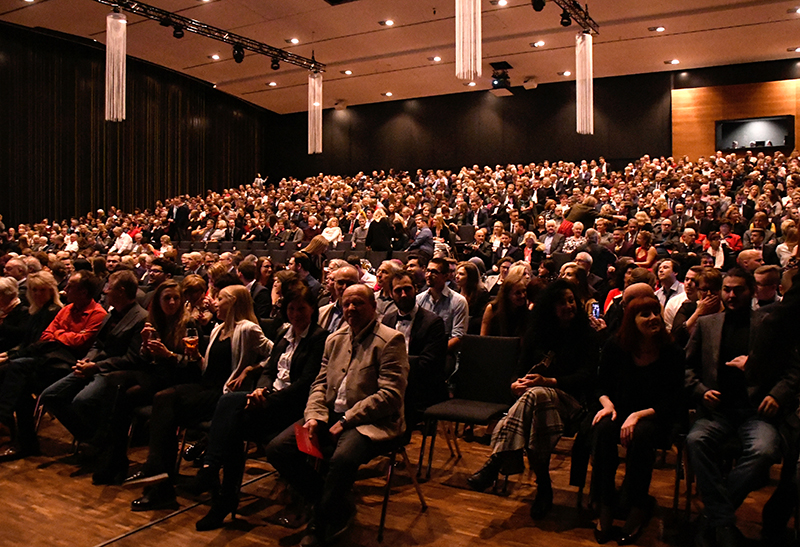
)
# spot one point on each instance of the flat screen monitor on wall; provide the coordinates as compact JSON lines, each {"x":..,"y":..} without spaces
{"x":750,"y":133}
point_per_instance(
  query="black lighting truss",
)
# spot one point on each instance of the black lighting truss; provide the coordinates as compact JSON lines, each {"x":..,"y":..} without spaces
{"x":196,"y":27}
{"x":579,"y":15}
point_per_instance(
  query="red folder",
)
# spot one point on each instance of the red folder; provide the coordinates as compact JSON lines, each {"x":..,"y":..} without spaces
{"x":305,"y":444}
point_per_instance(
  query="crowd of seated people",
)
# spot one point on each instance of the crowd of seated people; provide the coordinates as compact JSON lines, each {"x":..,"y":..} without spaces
{"x":638,"y":294}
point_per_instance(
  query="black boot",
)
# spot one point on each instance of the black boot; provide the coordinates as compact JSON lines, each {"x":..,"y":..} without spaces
{"x":543,"y":501}
{"x":486,"y":475}
{"x":206,"y":480}
{"x":221,"y":506}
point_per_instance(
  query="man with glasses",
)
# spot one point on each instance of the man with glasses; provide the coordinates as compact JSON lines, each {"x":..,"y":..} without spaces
{"x":734,"y":402}
{"x":447,"y":304}
{"x":330,"y":315}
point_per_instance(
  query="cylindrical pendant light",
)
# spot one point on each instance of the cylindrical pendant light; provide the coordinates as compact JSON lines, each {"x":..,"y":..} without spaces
{"x":116,"y":51}
{"x":468,"y":39}
{"x":584,"y":79}
{"x":314,"y":113}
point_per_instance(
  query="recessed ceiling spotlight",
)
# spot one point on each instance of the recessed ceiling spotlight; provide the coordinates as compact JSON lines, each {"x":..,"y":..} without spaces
{"x":272,"y":84}
{"x":215,"y":85}
{"x":294,"y":41}
{"x":214,"y":57}
{"x":387,"y":94}
{"x":566,"y":73}
{"x":656,"y":29}
{"x":347,"y":72}
{"x":386,"y":23}
{"x":793,"y":49}
{"x":471,"y":84}
{"x":672,"y":62}
{"x":793,"y":10}
{"x":538,"y":43}
{"x":29,"y":1}
{"x":435,"y":59}
{"x":501,"y":3}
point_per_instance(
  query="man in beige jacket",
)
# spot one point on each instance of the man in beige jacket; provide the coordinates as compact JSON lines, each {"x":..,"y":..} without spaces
{"x":354,"y":407}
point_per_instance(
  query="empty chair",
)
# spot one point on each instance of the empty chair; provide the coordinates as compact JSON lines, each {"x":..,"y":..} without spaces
{"x":225,"y":246}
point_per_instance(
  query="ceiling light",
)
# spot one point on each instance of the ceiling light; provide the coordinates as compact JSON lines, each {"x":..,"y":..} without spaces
{"x":177,"y":31}
{"x":471,"y":84}
{"x":501,"y":3}
{"x":387,"y":94}
{"x":387,"y":23}
{"x":672,"y":62}
{"x":29,"y":1}
{"x":215,"y":85}
{"x":272,"y":84}
{"x":538,"y":5}
{"x":566,"y":73}
{"x":238,"y":53}
{"x":538,"y":43}
{"x":793,"y":49}
{"x":214,"y":57}
{"x":294,"y":41}
{"x":656,"y":29}
{"x":316,"y":104}
{"x":435,"y":59}
{"x":793,"y":10}
{"x":276,"y":64}
{"x":347,"y":72}
{"x":566,"y":20}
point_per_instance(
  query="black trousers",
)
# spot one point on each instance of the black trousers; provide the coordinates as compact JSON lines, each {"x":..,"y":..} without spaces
{"x":329,"y":492}
{"x":181,"y":405}
{"x":640,"y":456}
{"x":231,"y":426}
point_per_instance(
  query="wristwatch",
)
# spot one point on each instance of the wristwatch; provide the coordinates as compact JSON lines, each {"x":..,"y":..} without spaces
{"x":343,"y":421}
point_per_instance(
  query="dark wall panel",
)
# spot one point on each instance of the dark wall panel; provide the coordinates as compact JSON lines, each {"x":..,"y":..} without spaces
{"x":632,"y":117}
{"x":59,"y":157}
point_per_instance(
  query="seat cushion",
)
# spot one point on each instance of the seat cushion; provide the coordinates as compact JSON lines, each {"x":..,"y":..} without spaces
{"x":465,"y":411}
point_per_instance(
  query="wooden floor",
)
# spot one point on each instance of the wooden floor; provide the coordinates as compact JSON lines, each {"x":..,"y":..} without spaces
{"x":49,"y":501}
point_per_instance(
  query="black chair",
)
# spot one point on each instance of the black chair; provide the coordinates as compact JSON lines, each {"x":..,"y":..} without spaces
{"x":560,"y":259}
{"x":225,"y":246}
{"x":335,"y":254}
{"x":279,"y":256}
{"x":487,"y":365}
{"x":376,"y":257}
{"x":213,"y":246}
{"x":400,"y":255}
{"x":258,"y":245}
{"x":242,"y":245}
{"x":466,"y":233}
{"x":274,"y":245}
{"x":185,"y":245}
{"x":198,"y":245}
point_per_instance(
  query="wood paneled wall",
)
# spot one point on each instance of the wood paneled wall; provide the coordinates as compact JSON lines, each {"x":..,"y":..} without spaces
{"x":59,"y":157}
{"x":694,"y":111}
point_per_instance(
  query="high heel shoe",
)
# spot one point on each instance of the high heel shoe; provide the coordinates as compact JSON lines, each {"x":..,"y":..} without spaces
{"x":215,"y":518}
{"x":486,"y":475}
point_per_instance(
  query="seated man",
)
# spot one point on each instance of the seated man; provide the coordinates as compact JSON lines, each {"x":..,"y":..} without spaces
{"x":733,"y":402}
{"x":63,"y":342}
{"x":426,"y":342}
{"x":80,"y":399}
{"x":355,"y":405}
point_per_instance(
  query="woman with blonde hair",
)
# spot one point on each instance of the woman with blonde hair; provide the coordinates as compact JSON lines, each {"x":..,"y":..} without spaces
{"x":235,"y":357}
{"x":332,"y":233}
{"x":380,"y":232}
{"x":316,"y":254}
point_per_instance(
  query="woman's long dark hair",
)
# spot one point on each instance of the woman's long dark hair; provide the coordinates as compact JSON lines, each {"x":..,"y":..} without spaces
{"x":509,"y":320}
{"x":546,"y":327}
{"x":629,"y":337}
{"x":170,"y":329}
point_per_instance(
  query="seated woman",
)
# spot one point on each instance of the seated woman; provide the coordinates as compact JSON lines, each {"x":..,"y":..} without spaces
{"x":332,"y":233}
{"x":507,"y":314}
{"x":165,"y":362}
{"x":646,"y":254}
{"x":559,"y":361}
{"x":234,"y":359}
{"x":13,"y":314}
{"x":269,"y":409}
{"x":576,"y":240}
{"x":468,"y":281}
{"x":640,"y":388}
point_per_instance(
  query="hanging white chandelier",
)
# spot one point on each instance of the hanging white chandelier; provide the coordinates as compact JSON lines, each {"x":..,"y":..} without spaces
{"x":584,"y":79}
{"x":468,"y":39}
{"x":315,"y":113}
{"x":116,"y":50}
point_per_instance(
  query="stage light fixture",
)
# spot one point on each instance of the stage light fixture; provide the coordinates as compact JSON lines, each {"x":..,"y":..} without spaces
{"x":538,"y":5}
{"x":566,"y":20}
{"x":238,"y":53}
{"x":177,"y":31}
{"x":165,"y":22}
{"x":276,"y":64}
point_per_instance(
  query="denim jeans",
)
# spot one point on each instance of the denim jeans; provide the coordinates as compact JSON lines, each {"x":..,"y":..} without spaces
{"x":78,"y":403}
{"x":761,"y":448}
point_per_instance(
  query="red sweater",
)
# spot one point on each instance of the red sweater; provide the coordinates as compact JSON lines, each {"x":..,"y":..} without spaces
{"x":75,"y":328}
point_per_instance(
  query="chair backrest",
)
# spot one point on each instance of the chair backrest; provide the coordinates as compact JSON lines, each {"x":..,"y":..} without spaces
{"x":226,"y":246}
{"x":560,"y":259}
{"x":376,"y":257}
{"x":401,"y":256}
{"x":466,"y":233}
{"x":487,"y":366}
{"x":279,"y":256}
{"x":258,"y":245}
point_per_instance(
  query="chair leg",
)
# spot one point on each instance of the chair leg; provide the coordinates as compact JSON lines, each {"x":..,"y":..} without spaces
{"x":430,"y":453}
{"x":414,"y":481}
{"x":689,"y":482}
{"x":455,"y":442}
{"x":679,"y":474}
{"x":422,"y":448}
{"x":182,"y":436}
{"x":386,"y":493}
{"x":447,"y":432}
{"x":38,"y":413}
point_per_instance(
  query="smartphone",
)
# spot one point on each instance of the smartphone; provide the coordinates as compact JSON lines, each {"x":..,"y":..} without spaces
{"x":596,"y":310}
